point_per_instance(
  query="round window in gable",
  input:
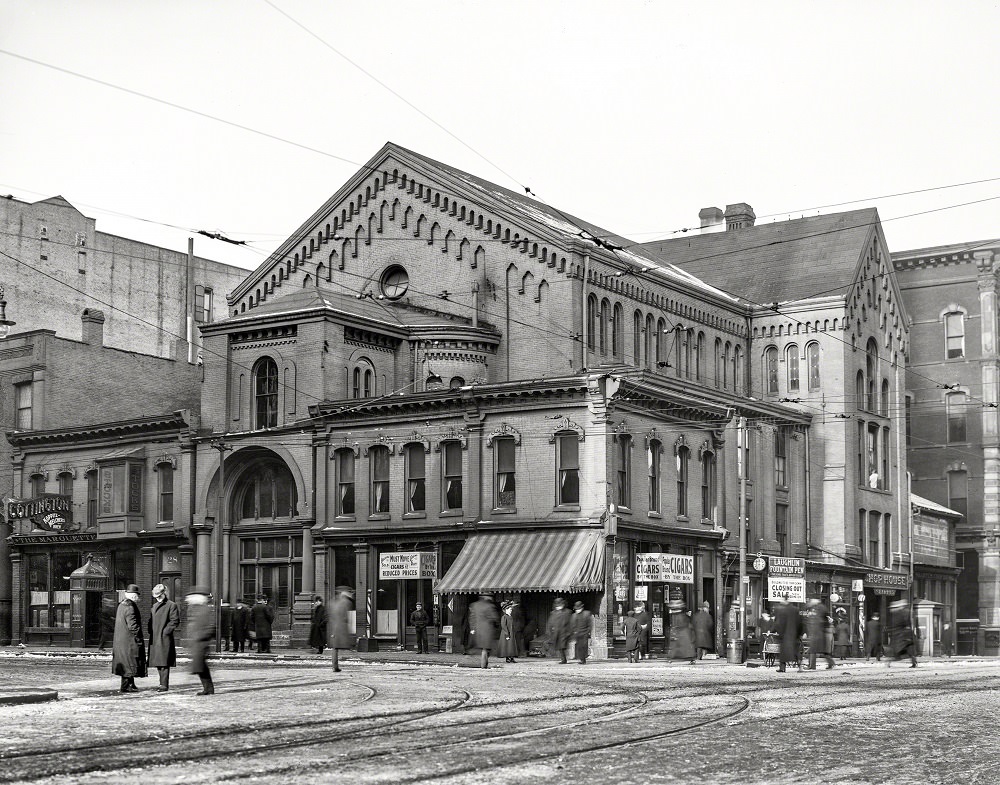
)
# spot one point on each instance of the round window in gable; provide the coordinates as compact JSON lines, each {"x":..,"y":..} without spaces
{"x":394,"y":282}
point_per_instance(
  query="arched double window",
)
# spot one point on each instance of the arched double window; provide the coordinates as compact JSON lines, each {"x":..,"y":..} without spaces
{"x":792,"y":367}
{"x":771,"y":370}
{"x":266,"y":493}
{"x":265,"y":390}
{"x":812,"y":365}
{"x":363,"y":379}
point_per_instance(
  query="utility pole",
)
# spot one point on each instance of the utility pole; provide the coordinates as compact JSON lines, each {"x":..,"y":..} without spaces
{"x":220,"y":522}
{"x":741,"y":463}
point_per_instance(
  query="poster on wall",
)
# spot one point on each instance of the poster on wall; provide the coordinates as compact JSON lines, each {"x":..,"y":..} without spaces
{"x":407,"y":565}
{"x":795,"y":588}
{"x":664,"y":568}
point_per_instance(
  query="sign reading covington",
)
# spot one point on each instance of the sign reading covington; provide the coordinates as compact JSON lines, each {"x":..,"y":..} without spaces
{"x":47,"y":511}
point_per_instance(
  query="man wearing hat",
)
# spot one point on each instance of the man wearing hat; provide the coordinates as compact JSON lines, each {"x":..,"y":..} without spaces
{"x":262,"y":616}
{"x":484,"y":626}
{"x":420,"y":619}
{"x":558,"y":628}
{"x":704,"y":630}
{"x":901,"y":640}
{"x":340,"y":630}
{"x":201,"y":635}
{"x":317,"y":625}
{"x":128,"y":653}
{"x":580,"y":625}
{"x":164,"y":618}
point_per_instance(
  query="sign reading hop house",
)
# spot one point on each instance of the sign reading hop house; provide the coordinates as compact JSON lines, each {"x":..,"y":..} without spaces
{"x":49,"y":512}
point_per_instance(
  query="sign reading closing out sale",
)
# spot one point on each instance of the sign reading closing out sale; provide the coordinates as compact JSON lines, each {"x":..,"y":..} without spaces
{"x":795,"y":588}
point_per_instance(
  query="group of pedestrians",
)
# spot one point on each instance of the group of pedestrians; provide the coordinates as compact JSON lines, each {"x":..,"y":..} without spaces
{"x":820,"y":630}
{"x":129,"y":659}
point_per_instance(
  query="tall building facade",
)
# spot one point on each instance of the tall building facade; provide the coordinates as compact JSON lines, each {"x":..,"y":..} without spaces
{"x":951,"y":410}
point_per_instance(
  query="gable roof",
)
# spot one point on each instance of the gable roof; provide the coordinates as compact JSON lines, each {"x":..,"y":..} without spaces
{"x":778,"y":262}
{"x":57,"y":201}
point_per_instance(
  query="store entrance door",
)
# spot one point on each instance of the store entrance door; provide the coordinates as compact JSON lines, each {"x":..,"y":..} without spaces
{"x":275,"y":581}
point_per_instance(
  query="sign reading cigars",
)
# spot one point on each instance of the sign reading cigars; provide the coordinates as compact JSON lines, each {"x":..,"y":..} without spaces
{"x":664,"y":568}
{"x":407,"y":565}
{"x":50,"y":512}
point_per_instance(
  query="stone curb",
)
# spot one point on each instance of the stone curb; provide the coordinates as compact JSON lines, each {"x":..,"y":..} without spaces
{"x":12,"y":696}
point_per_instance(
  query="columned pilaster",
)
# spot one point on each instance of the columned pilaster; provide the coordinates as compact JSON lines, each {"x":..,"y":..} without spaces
{"x":203,"y":553}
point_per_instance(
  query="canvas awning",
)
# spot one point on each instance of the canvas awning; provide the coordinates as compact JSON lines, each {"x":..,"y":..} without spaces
{"x":568,"y":561}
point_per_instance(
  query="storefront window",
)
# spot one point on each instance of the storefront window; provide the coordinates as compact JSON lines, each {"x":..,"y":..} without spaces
{"x":48,"y":588}
{"x":272,"y":566}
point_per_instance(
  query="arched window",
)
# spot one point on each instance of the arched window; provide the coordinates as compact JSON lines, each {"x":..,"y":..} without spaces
{"x":812,"y":365}
{"x":726,"y":364}
{"x":708,"y":504}
{"x":36,"y":482}
{"x":699,"y":358}
{"x":792,"y":365}
{"x":954,"y":334}
{"x":623,"y":477}
{"x":356,"y":383}
{"x":345,"y":458}
{"x":738,"y":383}
{"x":591,"y":321}
{"x":884,"y":399}
{"x":859,"y":390}
{"x":871,"y":375}
{"x":617,"y":338}
{"x":65,"y":480}
{"x":683,"y":453}
{"x":504,"y":483}
{"x":653,"y":453}
{"x":378,"y":467}
{"x":771,"y":370}
{"x":637,"y":338}
{"x":369,"y":388}
{"x":266,"y":492}
{"x":265,"y":387}
{"x":651,"y":341}
{"x":416,"y":477}
{"x":603,"y":330}
{"x":720,"y":365}
{"x":661,"y":347}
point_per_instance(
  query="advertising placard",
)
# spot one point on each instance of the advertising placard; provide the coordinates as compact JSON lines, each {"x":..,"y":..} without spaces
{"x":664,"y":568}
{"x":407,"y":565}
{"x":786,"y":567}
{"x":795,"y":588}
{"x":51,"y":512}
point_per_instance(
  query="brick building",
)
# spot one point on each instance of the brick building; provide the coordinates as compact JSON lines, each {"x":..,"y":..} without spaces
{"x":951,"y":411}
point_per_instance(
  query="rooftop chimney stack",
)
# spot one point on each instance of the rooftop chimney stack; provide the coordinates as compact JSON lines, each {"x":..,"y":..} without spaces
{"x":93,"y":327}
{"x":712,"y":219}
{"x":739,"y":216}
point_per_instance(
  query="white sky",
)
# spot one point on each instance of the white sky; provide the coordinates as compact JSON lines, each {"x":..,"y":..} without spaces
{"x":632,"y":115}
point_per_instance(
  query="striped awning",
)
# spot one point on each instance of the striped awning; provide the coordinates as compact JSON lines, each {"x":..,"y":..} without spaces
{"x":559,"y":560}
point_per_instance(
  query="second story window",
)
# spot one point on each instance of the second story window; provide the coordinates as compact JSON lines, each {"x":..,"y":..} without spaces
{"x":65,"y":483}
{"x":781,"y":527}
{"x":683,"y":453}
{"x":165,"y":475}
{"x":22,"y":397}
{"x":780,"y":458}
{"x":413,"y":456}
{"x":653,"y":453}
{"x":954,"y":334}
{"x":567,"y":469}
{"x":379,"y":468}
{"x":958,"y":491}
{"x":91,"y":499}
{"x":265,"y":389}
{"x":36,"y":482}
{"x":451,"y":453}
{"x":623,"y":458}
{"x":708,"y":505}
{"x":345,"y":481}
{"x":504,"y":480}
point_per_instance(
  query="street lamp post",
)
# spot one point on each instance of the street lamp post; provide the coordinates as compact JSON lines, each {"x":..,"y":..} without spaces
{"x":217,"y":534}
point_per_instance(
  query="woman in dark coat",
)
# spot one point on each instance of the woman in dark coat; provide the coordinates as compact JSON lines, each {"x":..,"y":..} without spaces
{"x":509,"y":647}
{"x":631,"y":631}
{"x":128,"y":653}
{"x":340,"y":630}
{"x":164,"y":618}
{"x":317,"y":625}
{"x":484,"y":623}
{"x":842,"y":631}
{"x":681,"y":643}
{"x":201,"y":635}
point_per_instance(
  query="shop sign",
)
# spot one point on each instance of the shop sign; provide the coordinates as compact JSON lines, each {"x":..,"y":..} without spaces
{"x":43,"y":539}
{"x":891,"y":581}
{"x":407,"y":565}
{"x":641,"y":593}
{"x":48,"y":511}
{"x":664,"y":568}
{"x":795,"y":588}
{"x":786,"y":567}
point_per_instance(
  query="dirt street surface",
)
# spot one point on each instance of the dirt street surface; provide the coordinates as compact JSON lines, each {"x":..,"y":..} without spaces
{"x":436,"y":720}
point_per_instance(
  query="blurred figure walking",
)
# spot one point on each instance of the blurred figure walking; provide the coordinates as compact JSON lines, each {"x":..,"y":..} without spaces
{"x":340,"y":629}
{"x":484,"y":626}
{"x":164,"y":619}
{"x":680,"y":643}
{"x":201,"y":635}
{"x":817,"y":626}
{"x":787,"y":627}
{"x":581,"y":623}
{"x":901,"y":640}
{"x":631,"y":630}
{"x":645,"y":627}
{"x":558,"y":629}
{"x":704,"y":630}
{"x":873,"y":638}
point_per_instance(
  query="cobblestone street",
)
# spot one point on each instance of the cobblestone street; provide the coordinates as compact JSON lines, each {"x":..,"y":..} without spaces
{"x":398,"y":718}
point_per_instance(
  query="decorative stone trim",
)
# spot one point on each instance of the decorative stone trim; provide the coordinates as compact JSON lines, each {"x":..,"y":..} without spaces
{"x":164,"y":459}
{"x":345,"y":444}
{"x":359,"y":337}
{"x":381,"y":441}
{"x":566,"y":424}
{"x":651,"y":437}
{"x":285,"y":334}
{"x":503,"y":430}
{"x":416,"y":438}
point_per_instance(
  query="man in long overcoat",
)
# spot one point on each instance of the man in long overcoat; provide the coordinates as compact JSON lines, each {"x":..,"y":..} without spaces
{"x":484,"y":626}
{"x":817,"y":626}
{"x":164,"y":618}
{"x":262,"y":616}
{"x":128,"y":653}
{"x":201,"y":635}
{"x":645,"y":629}
{"x":786,"y":625}
{"x":873,"y":638}
{"x":581,"y":623}
{"x":317,"y":625}
{"x":901,"y":640}
{"x":680,"y":636}
{"x":704,"y":630}
{"x":630,"y":629}
{"x":558,"y":628}
{"x":340,"y":629}
{"x":240,"y":626}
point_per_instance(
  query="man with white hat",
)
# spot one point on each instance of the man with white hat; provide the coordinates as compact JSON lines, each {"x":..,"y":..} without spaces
{"x":164,"y":618}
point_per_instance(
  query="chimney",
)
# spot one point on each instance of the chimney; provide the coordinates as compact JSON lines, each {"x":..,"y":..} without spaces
{"x":739,"y":216}
{"x":93,"y":327}
{"x":711,"y":219}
